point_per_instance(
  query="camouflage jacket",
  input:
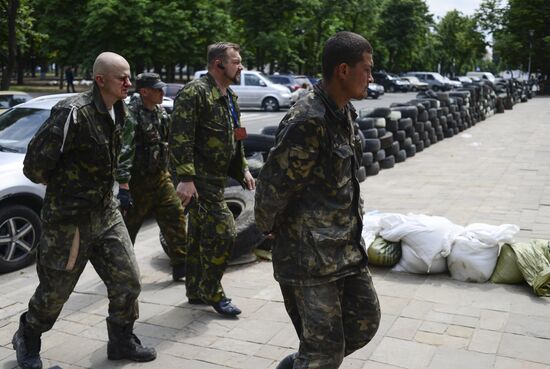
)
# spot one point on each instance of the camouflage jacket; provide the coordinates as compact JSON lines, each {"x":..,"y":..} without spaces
{"x":145,"y":142}
{"x":75,"y":153}
{"x":203,"y":145}
{"x":308,"y":194}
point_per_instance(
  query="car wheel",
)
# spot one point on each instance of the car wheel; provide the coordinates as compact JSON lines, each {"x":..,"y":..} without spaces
{"x":20,"y":230}
{"x":391,"y":89}
{"x":270,"y":104}
{"x":435,"y":88}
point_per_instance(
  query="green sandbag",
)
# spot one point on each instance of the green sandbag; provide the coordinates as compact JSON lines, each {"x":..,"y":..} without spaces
{"x":507,"y":269}
{"x":384,"y":253}
{"x":534,"y":263}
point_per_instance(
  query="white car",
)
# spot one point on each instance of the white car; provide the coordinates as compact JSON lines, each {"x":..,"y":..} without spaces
{"x":20,"y":199}
{"x":256,"y":90}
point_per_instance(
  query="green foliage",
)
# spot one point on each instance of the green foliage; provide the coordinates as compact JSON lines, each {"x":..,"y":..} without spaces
{"x":279,"y":36}
{"x":459,"y":42}
{"x":404,"y":31}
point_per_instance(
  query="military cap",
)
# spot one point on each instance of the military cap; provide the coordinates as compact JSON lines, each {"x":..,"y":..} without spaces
{"x":151,"y":80}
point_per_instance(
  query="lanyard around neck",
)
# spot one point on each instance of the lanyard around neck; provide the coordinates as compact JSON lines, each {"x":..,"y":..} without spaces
{"x":232,"y":110}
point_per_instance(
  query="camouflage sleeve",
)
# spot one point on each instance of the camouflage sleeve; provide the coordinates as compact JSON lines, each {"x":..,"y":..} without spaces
{"x":128,"y":151}
{"x":286,"y":171}
{"x":44,"y":149}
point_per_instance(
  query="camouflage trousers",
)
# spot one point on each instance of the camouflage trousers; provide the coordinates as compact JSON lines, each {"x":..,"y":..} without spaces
{"x":333,"y":319}
{"x":103,"y":241}
{"x":211,"y":238}
{"x":156,"y":195}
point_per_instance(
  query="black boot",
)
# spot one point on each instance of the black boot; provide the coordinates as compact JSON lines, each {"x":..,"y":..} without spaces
{"x":287,"y":362}
{"x":26,"y":344}
{"x":178,"y":272}
{"x":123,"y":344}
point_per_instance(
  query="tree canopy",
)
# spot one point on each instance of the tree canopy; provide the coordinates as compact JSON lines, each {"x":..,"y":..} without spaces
{"x":275,"y":36}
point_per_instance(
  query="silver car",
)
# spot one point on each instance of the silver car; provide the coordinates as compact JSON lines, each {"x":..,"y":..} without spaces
{"x":256,"y":90}
{"x":20,"y":199}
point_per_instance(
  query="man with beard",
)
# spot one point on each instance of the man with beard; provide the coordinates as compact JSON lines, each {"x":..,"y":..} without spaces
{"x":308,"y":202}
{"x":207,"y":148}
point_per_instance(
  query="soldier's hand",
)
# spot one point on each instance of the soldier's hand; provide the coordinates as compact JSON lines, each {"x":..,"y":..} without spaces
{"x":125,"y":199}
{"x":249,"y":180}
{"x":185,"y":191}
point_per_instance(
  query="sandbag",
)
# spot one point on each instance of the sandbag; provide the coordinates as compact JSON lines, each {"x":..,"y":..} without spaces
{"x":384,"y":253}
{"x":423,"y":239}
{"x":474,"y":252}
{"x":534,"y":263}
{"x":507,"y":269}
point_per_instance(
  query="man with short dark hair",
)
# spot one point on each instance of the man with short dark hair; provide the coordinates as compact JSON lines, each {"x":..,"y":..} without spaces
{"x":75,"y":154}
{"x":207,"y":146}
{"x":308,"y":202}
{"x":145,"y":184}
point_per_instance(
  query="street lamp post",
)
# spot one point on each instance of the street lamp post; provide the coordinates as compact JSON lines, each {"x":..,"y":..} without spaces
{"x":531,"y":33}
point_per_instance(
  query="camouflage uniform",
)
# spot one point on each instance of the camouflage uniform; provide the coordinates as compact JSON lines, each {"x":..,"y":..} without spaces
{"x":308,"y":196}
{"x":143,"y":164}
{"x":75,"y":152}
{"x":206,"y":152}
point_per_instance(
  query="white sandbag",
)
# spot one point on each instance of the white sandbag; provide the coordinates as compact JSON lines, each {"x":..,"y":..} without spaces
{"x":423,"y":239}
{"x":474,"y":252}
{"x":371,"y":225}
{"x":410,"y":262}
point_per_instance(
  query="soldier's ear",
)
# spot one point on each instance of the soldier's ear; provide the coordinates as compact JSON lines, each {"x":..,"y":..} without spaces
{"x":100,"y":80}
{"x":341,"y":71}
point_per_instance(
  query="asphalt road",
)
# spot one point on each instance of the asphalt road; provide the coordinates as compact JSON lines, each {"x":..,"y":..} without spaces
{"x":255,"y":120}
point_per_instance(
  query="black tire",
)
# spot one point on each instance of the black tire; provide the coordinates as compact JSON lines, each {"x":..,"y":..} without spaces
{"x":388,"y":162}
{"x":406,"y":143}
{"x":381,"y":132}
{"x":361,"y":174}
{"x":386,"y":140}
{"x":435,"y":88}
{"x":370,"y":133}
{"x":269,"y":130}
{"x":411,"y":151}
{"x":381,"y":112}
{"x":372,"y":144}
{"x":419,"y":127}
{"x":407,"y":111}
{"x":270,"y":104}
{"x":367,"y":159}
{"x":18,"y":249}
{"x":401,"y":156}
{"x":380,"y":155}
{"x":241,"y":204}
{"x":404,"y":123}
{"x":419,"y":146}
{"x":362,"y":139}
{"x":365,"y":123}
{"x":258,"y":143}
{"x":373,"y":169}
{"x":394,"y":149}
{"x":392,"y":125}
{"x":423,"y":117}
{"x":400,"y":135}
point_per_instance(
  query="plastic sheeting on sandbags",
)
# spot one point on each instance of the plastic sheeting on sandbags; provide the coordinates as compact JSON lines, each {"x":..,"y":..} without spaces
{"x":474,"y":252}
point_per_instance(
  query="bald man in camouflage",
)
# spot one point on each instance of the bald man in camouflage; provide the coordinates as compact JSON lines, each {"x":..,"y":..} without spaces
{"x":75,"y":154}
{"x":207,"y":147}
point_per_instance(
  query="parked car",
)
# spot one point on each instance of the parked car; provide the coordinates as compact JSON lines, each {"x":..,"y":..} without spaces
{"x":172,"y":89}
{"x":313,"y":80}
{"x":487,"y":76}
{"x":416,"y":84}
{"x":20,"y":199}
{"x":255,"y":90}
{"x":167,"y":102}
{"x":375,"y":90}
{"x":9,"y":99}
{"x":454,"y":84}
{"x":462,"y":79}
{"x":293,"y":82}
{"x":434,"y":80}
{"x":391,"y":82}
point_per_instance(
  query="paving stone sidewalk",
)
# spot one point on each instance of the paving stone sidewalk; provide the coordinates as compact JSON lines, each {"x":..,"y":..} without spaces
{"x":495,"y":172}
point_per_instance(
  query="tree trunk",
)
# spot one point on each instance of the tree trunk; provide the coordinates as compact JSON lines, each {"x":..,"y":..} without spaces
{"x":11,"y":10}
{"x":20,"y":66}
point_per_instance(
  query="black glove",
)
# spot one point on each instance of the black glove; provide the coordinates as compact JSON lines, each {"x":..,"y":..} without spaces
{"x":125,"y":199}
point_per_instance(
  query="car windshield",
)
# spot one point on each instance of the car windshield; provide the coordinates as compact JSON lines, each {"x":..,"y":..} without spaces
{"x":18,"y":126}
